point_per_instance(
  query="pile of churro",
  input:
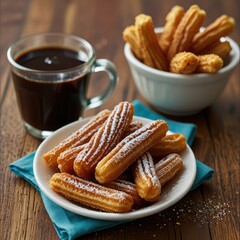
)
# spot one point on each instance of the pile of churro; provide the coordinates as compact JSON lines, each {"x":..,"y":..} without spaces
{"x":181,"y":47}
{"x":114,"y":163}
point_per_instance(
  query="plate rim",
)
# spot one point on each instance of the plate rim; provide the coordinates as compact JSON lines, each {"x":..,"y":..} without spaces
{"x":96,"y":214}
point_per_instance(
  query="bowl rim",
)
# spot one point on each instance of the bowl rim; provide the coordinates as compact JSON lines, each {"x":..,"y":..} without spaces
{"x":230,"y":66}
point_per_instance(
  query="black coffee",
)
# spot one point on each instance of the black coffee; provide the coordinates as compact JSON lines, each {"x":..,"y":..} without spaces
{"x":48,"y":105}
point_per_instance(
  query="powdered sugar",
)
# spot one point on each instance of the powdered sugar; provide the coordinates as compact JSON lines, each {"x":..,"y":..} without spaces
{"x":93,"y":189}
{"x":201,"y":212}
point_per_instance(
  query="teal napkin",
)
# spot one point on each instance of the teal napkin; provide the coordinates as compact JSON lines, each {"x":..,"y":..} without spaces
{"x":69,"y":225}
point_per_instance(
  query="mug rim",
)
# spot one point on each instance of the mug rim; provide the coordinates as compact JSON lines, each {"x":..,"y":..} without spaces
{"x":51,"y":72}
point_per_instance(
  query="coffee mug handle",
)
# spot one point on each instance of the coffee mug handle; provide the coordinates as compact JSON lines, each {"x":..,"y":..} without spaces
{"x":103,"y":65}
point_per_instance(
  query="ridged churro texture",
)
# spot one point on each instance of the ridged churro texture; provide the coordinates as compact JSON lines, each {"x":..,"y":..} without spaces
{"x":91,"y":194}
{"x":128,"y":150}
{"x":130,"y":36}
{"x":172,"y":143}
{"x":104,"y":140}
{"x":221,"y":27}
{"x":168,"y":167}
{"x":129,"y":188}
{"x":145,"y":178}
{"x":79,"y":137}
{"x":152,"y":53}
{"x":66,"y":159}
{"x":134,"y":126}
{"x":222,"y":49}
{"x":186,"y":30}
{"x":173,"y":18}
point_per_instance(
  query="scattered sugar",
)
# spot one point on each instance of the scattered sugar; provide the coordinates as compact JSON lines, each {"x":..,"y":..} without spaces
{"x":210,"y":211}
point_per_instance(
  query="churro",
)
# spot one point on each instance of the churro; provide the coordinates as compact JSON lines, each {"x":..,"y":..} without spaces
{"x":104,"y":140}
{"x":134,"y":126}
{"x":128,"y":150}
{"x":129,"y":35}
{"x":221,"y":27}
{"x":91,"y":194}
{"x":172,"y":143}
{"x":79,"y":137}
{"x":129,"y":188}
{"x":173,"y":18}
{"x":152,"y":53}
{"x":209,"y":63}
{"x":186,"y":29}
{"x":66,"y":159}
{"x":222,"y":49}
{"x":168,"y":167}
{"x":145,"y":178}
{"x":184,"y":62}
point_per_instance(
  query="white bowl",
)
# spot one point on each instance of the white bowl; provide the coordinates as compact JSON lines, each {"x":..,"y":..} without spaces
{"x":180,"y":94}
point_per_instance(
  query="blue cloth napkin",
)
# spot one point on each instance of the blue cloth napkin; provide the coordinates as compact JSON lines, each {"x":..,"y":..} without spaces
{"x":69,"y":225}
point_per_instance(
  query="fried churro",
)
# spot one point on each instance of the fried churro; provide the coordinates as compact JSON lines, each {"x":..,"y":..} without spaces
{"x":152,"y":53}
{"x":129,"y":188}
{"x":168,"y":167}
{"x":104,"y":140}
{"x":128,"y":150}
{"x":172,"y":143}
{"x":79,"y":137}
{"x":134,"y":126}
{"x":91,"y":194}
{"x":186,"y":29}
{"x":66,"y":159}
{"x":222,"y":49}
{"x":209,"y":63}
{"x":173,"y":18}
{"x":129,"y":35}
{"x":145,"y":178}
{"x":184,"y":62}
{"x":221,"y":27}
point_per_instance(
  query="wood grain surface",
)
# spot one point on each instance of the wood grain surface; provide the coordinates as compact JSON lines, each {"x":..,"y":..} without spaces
{"x":209,"y":212}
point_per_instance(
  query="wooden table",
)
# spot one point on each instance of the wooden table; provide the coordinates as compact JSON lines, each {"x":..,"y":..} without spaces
{"x":209,"y":212}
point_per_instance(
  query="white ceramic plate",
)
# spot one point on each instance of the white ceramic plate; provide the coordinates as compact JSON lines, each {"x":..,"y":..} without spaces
{"x":171,"y":192}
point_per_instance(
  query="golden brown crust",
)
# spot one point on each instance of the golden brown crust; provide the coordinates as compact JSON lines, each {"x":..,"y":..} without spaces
{"x":152,"y":53}
{"x":209,"y":63}
{"x":186,"y":29}
{"x":128,"y":150}
{"x":172,"y":143}
{"x":134,"y":126}
{"x":221,"y":27}
{"x":173,"y":18}
{"x":79,"y":137}
{"x":168,"y":167}
{"x":145,"y":178}
{"x":184,"y":62}
{"x":91,"y":194}
{"x":129,"y":188}
{"x":66,"y":159}
{"x":222,"y":49}
{"x":104,"y":140}
{"x":129,"y":35}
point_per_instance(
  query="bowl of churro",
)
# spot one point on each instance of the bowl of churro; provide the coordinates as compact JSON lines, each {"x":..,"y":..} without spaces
{"x":181,"y":68}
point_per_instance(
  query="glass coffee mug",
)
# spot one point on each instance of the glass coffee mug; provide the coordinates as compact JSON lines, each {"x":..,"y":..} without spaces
{"x":51,"y":74}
